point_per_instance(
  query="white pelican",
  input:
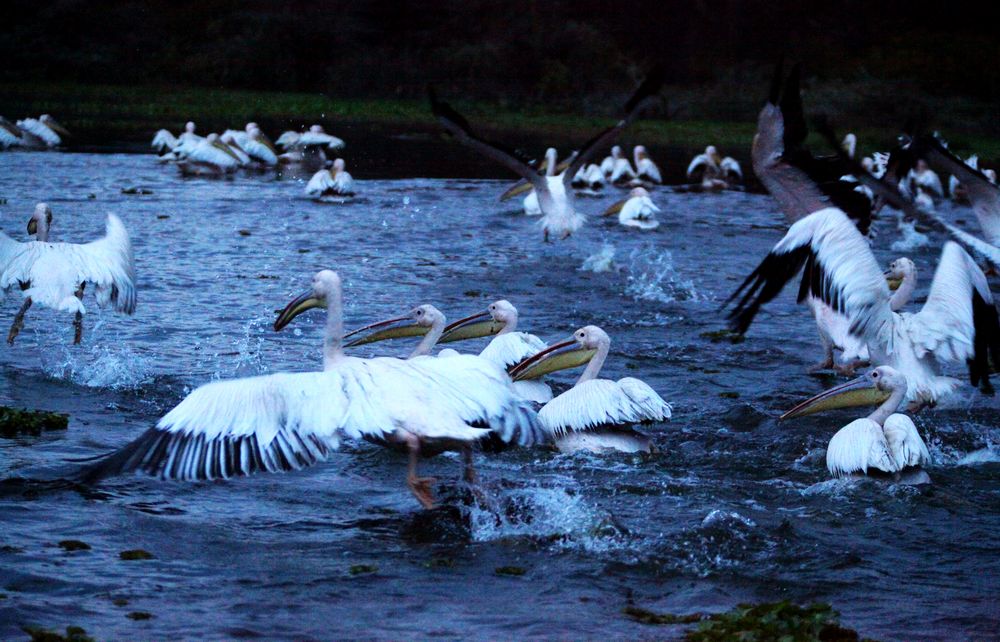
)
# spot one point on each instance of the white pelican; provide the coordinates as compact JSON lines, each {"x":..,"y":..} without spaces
{"x":45,"y":128}
{"x":55,"y":274}
{"x":423,"y":320}
{"x":327,"y":183}
{"x":713,"y":171}
{"x":208,"y":156}
{"x":638,"y":210}
{"x":555,"y":198}
{"x":229,"y":140}
{"x":10,"y":134}
{"x":164,"y":141}
{"x":922,"y":179}
{"x":545,"y":167}
{"x":552,"y":177}
{"x":885,"y":442}
{"x":645,"y":168}
{"x":287,"y":421}
{"x":259,"y":147}
{"x":596,"y":415}
{"x":616,"y":168}
{"x":590,"y":177}
{"x":958,"y":323}
{"x":849,"y":144}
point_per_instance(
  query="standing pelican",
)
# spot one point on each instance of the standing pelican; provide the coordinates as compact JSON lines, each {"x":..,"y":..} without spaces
{"x":884,"y":442}
{"x":288,"y":421}
{"x":958,"y":322}
{"x":45,"y":128}
{"x":638,"y":210}
{"x":326,"y":183}
{"x":595,"y":415}
{"x":645,"y":168}
{"x":556,"y":200}
{"x":55,"y":274}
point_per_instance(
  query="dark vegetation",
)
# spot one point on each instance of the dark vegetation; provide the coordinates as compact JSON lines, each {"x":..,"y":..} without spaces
{"x":868,"y":64}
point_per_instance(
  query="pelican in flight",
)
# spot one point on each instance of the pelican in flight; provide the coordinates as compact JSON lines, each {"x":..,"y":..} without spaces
{"x":331,"y":183}
{"x":555,"y":198}
{"x":616,"y":168}
{"x":713,"y":171}
{"x":287,"y":421}
{"x":645,"y":168}
{"x":594,"y":415}
{"x":638,"y":210}
{"x":958,"y":322}
{"x":54,"y":274}
{"x":46,"y":128}
{"x":883,"y":443}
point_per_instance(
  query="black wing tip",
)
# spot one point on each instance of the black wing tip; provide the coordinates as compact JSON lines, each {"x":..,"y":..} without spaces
{"x":986,"y":342}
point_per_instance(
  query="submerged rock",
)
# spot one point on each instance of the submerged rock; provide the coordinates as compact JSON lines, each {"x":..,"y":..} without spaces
{"x":135,"y":554}
{"x":73,"y":634}
{"x":14,"y":421}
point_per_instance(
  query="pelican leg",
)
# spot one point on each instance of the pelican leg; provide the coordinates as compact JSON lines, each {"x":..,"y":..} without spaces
{"x":78,"y":320}
{"x":419,"y":486}
{"x":849,"y":369}
{"x":15,"y":327}
{"x":545,"y":235}
{"x":469,"y":474}
{"x":827,"y":361}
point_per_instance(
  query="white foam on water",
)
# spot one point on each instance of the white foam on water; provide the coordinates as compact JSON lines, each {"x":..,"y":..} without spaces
{"x":554,"y":514}
{"x":653,"y":277}
{"x":601,"y":261}
{"x":988,"y":455}
{"x":911,"y":238}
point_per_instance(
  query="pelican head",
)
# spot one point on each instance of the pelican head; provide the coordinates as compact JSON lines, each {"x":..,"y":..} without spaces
{"x":52,"y":124}
{"x":338,"y":165}
{"x":991,"y":175}
{"x":500,"y":317}
{"x":898,"y":270}
{"x":40,"y":221}
{"x":571,"y":353}
{"x":551,"y":160}
{"x":325,"y":285}
{"x":616,"y":151}
{"x":868,"y":164}
{"x":189,"y":127}
{"x":849,"y":144}
{"x":713,"y":153}
{"x":251,"y":126}
{"x":316,"y":129}
{"x":639,"y":152}
{"x":871,"y":389}
{"x":416,"y":323}
{"x":921,"y":166}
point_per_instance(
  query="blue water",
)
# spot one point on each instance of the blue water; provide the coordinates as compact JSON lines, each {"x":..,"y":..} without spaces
{"x":735,"y":507}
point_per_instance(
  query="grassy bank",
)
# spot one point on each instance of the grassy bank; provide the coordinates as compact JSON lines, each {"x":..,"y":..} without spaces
{"x":101,"y":113}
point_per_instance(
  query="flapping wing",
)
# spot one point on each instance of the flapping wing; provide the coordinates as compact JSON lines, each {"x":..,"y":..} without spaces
{"x":839,"y":269}
{"x":320,"y":182}
{"x":106,"y":263}
{"x":509,"y":349}
{"x":456,"y":124}
{"x":601,"y":402}
{"x":639,"y":99}
{"x":959,"y":320}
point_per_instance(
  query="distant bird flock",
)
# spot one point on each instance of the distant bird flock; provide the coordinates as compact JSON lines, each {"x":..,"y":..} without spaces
{"x":499,"y":399}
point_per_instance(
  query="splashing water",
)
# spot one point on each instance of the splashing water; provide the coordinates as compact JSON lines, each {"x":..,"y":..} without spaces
{"x":653,"y":277}
{"x":601,"y":261}
{"x":546,"y":513}
{"x":106,"y":365}
{"x":912,"y":239}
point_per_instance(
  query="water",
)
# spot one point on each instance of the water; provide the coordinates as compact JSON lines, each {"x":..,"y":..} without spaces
{"x":734,"y":508}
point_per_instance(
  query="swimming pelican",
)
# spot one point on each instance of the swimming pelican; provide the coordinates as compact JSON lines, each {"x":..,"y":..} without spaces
{"x":55,"y":274}
{"x":287,"y":421}
{"x":645,"y":168}
{"x":259,"y":147}
{"x":590,"y":177}
{"x":958,"y":322}
{"x":885,"y":442}
{"x":10,"y":134}
{"x":616,"y":168}
{"x":45,"y":128}
{"x":208,"y":156}
{"x":327,"y":183}
{"x":164,"y":141}
{"x":508,"y":348}
{"x":595,"y":415}
{"x":638,"y":210}
{"x":556,"y":200}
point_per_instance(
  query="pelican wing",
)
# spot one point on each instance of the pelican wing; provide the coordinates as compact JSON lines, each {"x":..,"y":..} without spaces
{"x":213,"y":154}
{"x":701,"y":161}
{"x":260,"y":151}
{"x":287,"y":139}
{"x":731,"y":166}
{"x":456,"y":124}
{"x":601,"y":402}
{"x":53,"y":271}
{"x":959,"y":320}
{"x":984,"y":195}
{"x":904,"y":442}
{"x":858,"y":446}
{"x":320,"y":183}
{"x":163,"y":141}
{"x":839,"y":269}
{"x":647,"y":169}
{"x":635,"y":104}
{"x":506,"y":350}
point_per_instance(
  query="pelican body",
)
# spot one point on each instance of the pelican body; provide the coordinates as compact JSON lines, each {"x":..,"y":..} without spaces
{"x":327,"y":183}
{"x":638,"y":210}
